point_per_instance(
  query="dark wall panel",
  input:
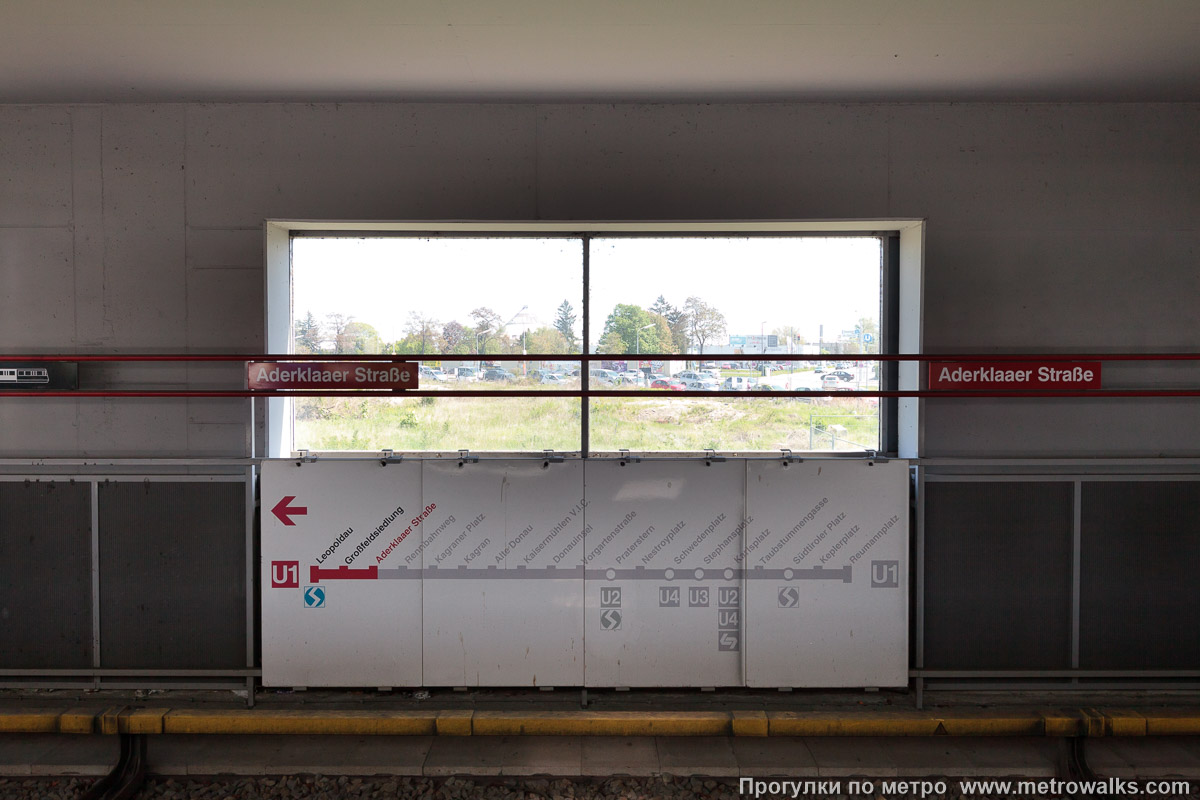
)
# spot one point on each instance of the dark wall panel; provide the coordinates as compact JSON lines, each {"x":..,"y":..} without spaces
{"x":1139,"y":589}
{"x":173,"y":588}
{"x":998,"y":575}
{"x":45,"y":575}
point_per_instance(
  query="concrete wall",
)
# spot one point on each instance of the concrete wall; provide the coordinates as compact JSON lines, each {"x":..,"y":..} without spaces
{"x":138,"y":228}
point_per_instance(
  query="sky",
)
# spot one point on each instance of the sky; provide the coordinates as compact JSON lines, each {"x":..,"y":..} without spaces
{"x":758,"y":283}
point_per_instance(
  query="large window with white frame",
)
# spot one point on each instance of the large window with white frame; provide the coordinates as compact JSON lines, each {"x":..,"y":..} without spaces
{"x":498,"y":320}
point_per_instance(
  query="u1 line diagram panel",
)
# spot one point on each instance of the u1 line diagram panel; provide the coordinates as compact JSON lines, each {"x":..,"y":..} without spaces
{"x":519,"y":572}
{"x":827,"y":573}
{"x":341,"y":573}
{"x":664,"y":593}
{"x":503,"y":580}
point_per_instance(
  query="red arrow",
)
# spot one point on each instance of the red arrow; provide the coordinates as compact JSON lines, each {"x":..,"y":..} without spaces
{"x":286,"y":512}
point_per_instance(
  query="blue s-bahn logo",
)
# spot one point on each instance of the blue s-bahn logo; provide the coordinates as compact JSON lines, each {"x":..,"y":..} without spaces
{"x":314,"y":596}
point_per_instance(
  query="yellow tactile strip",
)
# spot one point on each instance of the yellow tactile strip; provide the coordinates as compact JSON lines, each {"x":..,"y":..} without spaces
{"x":1060,"y":722}
{"x":602,"y":723}
{"x":361,"y":723}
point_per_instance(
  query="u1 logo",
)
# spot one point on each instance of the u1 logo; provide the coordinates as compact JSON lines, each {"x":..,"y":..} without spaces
{"x":285,"y":574}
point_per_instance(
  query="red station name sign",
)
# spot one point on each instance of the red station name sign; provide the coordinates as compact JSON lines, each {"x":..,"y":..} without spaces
{"x":1013,"y":375}
{"x":319,"y":375}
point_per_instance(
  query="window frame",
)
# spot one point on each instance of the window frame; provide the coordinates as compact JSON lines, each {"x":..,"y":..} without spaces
{"x":902,"y":287}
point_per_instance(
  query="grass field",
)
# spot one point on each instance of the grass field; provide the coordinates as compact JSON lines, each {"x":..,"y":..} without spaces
{"x":520,"y":423}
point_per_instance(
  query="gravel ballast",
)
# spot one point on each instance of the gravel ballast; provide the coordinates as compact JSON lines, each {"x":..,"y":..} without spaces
{"x":312,"y":787}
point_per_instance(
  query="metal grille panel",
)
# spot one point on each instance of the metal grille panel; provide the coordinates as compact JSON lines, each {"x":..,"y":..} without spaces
{"x":173,"y":575}
{"x":45,"y":575}
{"x":998,"y":575}
{"x":1140,"y":598}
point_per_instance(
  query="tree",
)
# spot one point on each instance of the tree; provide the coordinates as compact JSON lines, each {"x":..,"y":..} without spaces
{"x":662,"y":307}
{"x":627,"y":322}
{"x":546,"y":340}
{"x":677,"y":324}
{"x":308,"y":334}
{"x":791,"y":334}
{"x":457,"y":338}
{"x":867,"y":327}
{"x":564,"y":323}
{"x":704,"y":322}
{"x":408,"y":346}
{"x":359,"y":337}
{"x":666,"y":339}
{"x":487,"y":327}
{"x":424,"y":329}
{"x":336,"y":324}
{"x":788,"y":332}
{"x":611,"y":344}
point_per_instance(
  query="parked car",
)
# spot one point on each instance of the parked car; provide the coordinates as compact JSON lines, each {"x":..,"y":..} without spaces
{"x":630,"y":376}
{"x":689,"y":375}
{"x":429,"y":373}
{"x":466,"y":374}
{"x":552,"y":379}
{"x":702,"y":385}
{"x":605,"y":377}
{"x":674,"y":384}
{"x":841,"y":374}
{"x":831,"y":381}
{"x":497,"y":374}
{"x":739,"y":383}
{"x":775,"y":387}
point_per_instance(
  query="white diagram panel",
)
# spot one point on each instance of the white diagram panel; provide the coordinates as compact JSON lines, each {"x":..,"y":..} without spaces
{"x":341,"y":573}
{"x":664,"y":593}
{"x":827,"y":573}
{"x":503,"y":602}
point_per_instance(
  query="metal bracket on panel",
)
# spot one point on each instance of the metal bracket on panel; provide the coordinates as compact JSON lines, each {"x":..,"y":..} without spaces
{"x":626,"y":458}
{"x":710,"y":456}
{"x":304,"y":456}
{"x":388,"y":456}
{"x":788,"y":457}
{"x":464,"y":456}
{"x":548,"y":457}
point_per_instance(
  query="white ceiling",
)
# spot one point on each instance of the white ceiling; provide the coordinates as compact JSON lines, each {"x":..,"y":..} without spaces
{"x":571,"y":50}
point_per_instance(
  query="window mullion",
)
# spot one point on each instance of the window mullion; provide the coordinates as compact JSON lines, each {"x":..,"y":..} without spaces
{"x":584,"y":366}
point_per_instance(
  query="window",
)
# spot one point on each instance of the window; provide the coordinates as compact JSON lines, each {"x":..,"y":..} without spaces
{"x":659,"y":308}
{"x":451,"y":303}
{"x":731,"y":309}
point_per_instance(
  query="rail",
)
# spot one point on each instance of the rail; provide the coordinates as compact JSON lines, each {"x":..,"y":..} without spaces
{"x":585,"y":390}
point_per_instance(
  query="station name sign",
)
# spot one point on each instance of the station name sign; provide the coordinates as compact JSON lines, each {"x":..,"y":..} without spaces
{"x":320,"y":375}
{"x":1014,"y":375}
